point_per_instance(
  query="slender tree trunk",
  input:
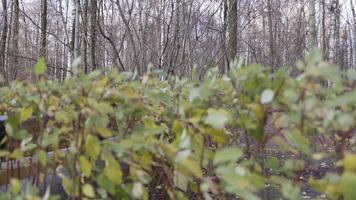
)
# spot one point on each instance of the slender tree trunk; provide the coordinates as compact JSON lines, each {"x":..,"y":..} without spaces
{"x":270,"y":32}
{"x":323,"y":24}
{"x":77,"y":31}
{"x":130,"y":34}
{"x":15,"y":39}
{"x":232,"y":32}
{"x":71,"y":42}
{"x":93,"y":21}
{"x":353,"y":30}
{"x":85,"y":35}
{"x":43,"y":28}
{"x":335,"y":31}
{"x":224,"y":59}
{"x":3,"y":41}
{"x":312,"y":26}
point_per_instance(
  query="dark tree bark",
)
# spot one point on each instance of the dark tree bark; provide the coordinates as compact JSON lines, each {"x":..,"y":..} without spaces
{"x":85,"y":36}
{"x":76,"y":30}
{"x":312,"y":25}
{"x":271,"y":36}
{"x":3,"y":40}
{"x":43,"y":28}
{"x":232,"y":31}
{"x":335,"y":31}
{"x":15,"y":39}
{"x":93,"y":34}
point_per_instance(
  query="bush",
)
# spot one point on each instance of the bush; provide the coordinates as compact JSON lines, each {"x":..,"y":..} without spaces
{"x":241,"y":135}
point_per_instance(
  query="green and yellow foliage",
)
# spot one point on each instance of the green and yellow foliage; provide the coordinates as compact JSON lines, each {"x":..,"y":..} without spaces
{"x":207,"y":139}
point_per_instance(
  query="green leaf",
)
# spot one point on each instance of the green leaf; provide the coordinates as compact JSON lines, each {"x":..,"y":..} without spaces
{"x":347,"y":98}
{"x":180,"y":180}
{"x":85,"y":166}
{"x":12,"y":124}
{"x":64,"y":117}
{"x":347,"y":185}
{"x":189,"y":167}
{"x":15,"y":186}
{"x":25,"y":114}
{"x":290,"y":191}
{"x":267,"y":96}
{"x":105,"y":183}
{"x":137,"y":190}
{"x":272,"y":163}
{"x":67,"y":185}
{"x":346,"y":121}
{"x":92,"y":147}
{"x":177,"y":127}
{"x":42,"y":157}
{"x":40,"y":67}
{"x":227,"y":155}
{"x":217,"y":118}
{"x":105,"y":133}
{"x":349,"y":162}
{"x":27,"y":146}
{"x":112,"y":170}
{"x":297,"y":139}
{"x":88,"y":190}
{"x":96,"y":120}
{"x":102,"y":107}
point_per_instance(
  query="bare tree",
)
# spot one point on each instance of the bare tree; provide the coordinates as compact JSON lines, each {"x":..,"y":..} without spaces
{"x":312,"y":25}
{"x":232,"y":30}
{"x":335,"y":31}
{"x":172,"y":35}
{"x":270,"y":32}
{"x":15,"y":39}
{"x":85,"y":35}
{"x":3,"y":40}
{"x":43,"y":28}
{"x":76,"y":29}
{"x":93,"y":35}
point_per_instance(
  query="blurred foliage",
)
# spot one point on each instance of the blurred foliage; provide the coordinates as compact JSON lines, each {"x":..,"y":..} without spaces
{"x":205,"y":138}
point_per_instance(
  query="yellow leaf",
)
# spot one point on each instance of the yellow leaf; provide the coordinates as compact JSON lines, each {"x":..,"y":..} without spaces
{"x":190,"y":167}
{"x":92,"y":147}
{"x":112,"y":170}
{"x":15,"y":186}
{"x":105,"y":132}
{"x":85,"y":166}
{"x":350,"y":162}
{"x":42,"y":157}
{"x":88,"y":190}
{"x":25,"y":114}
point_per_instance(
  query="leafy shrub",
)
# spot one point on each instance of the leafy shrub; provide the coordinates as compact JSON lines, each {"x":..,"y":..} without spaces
{"x":235,"y":136}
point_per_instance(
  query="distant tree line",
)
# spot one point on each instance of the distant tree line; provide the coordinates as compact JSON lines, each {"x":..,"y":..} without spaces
{"x":172,"y":35}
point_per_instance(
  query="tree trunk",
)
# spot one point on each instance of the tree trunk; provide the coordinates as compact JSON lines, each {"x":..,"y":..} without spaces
{"x":353,"y":36}
{"x":93,"y":21}
{"x":43,"y":28}
{"x":324,"y":30}
{"x":335,"y":31}
{"x":85,"y":36}
{"x":15,"y":39}
{"x":232,"y":31}
{"x":3,"y":41}
{"x":224,"y":62}
{"x":270,"y":32}
{"x":130,"y":35}
{"x":77,"y":26}
{"x":312,"y":26}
